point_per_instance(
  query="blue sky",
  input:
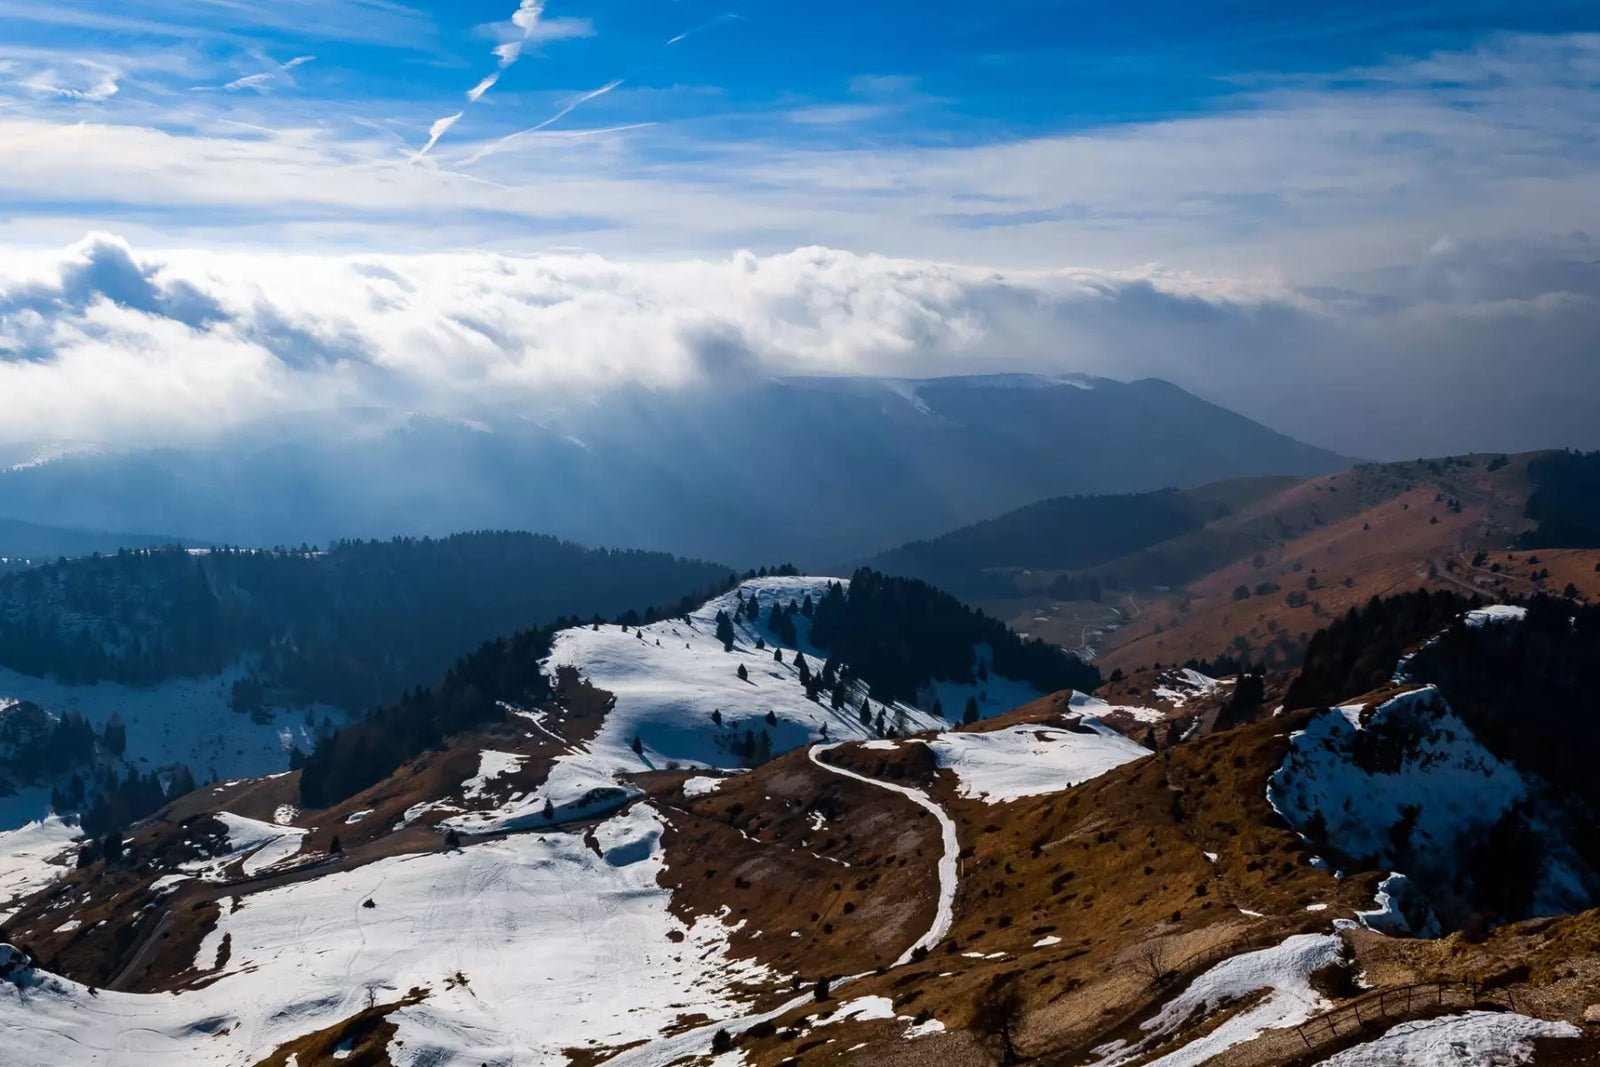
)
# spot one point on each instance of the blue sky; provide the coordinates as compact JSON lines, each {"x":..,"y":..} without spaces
{"x":657,"y":127}
{"x":1319,"y":209}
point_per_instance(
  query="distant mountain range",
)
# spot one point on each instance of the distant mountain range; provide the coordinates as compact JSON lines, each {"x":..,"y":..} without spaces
{"x":22,"y":543}
{"x":822,"y":471}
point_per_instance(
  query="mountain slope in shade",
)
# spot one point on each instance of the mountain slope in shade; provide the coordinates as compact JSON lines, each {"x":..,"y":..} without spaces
{"x":738,"y":472}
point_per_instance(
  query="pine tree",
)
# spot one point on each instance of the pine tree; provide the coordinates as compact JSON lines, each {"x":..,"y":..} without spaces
{"x":638,"y":745}
{"x":335,"y":847}
{"x":744,"y":675}
{"x":970,"y":714}
{"x":777,"y":655}
{"x":772,"y":718}
{"x":802,"y":668}
{"x":716,"y":714}
{"x":879,"y":728}
{"x":549,"y":810}
{"x":866,"y":712}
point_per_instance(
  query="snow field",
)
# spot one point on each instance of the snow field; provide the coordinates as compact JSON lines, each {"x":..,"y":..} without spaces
{"x":187,"y":720}
{"x":1025,"y":761}
{"x":559,"y":947}
{"x":27,"y":858}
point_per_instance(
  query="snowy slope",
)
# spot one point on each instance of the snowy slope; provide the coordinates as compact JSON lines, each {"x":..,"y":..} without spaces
{"x":1359,"y":769}
{"x":669,"y":678}
{"x":26,"y":856}
{"x":1025,"y":761}
{"x":558,"y":946}
{"x":189,"y":721}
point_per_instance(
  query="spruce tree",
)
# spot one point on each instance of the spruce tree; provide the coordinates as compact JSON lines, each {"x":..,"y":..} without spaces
{"x":970,"y":714}
{"x":744,"y":675}
{"x":866,"y":712}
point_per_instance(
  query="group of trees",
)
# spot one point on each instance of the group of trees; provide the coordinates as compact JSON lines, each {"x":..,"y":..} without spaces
{"x":900,"y":634}
{"x":1358,"y":652}
{"x":355,"y":626}
{"x":1565,"y":501}
{"x":473,"y":694}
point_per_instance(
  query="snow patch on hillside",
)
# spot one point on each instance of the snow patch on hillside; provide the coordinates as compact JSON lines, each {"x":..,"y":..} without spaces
{"x":1486,"y":1037}
{"x":1355,"y":775}
{"x":1025,"y":761}
{"x":261,"y":845}
{"x":187,"y":720}
{"x":1283,"y":971}
{"x":27,"y":860}
{"x":1090,"y":705}
{"x":558,"y":946}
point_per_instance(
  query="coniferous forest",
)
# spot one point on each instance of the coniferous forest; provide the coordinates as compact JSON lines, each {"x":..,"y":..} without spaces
{"x":354,"y":626}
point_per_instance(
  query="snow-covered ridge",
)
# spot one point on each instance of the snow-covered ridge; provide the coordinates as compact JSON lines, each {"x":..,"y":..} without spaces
{"x":1407,"y":785}
{"x":673,"y":681}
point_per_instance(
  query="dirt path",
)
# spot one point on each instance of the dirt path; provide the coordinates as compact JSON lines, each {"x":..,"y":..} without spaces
{"x":698,"y":1042}
{"x":944,"y":916}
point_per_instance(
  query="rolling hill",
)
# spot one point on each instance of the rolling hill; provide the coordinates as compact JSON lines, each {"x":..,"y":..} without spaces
{"x":603,"y":872}
{"x":737,"y":472}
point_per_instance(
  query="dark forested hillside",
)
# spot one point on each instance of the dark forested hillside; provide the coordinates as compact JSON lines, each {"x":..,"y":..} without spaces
{"x":353,"y":627}
{"x":897,"y":634}
{"x":1359,"y":652}
{"x":1565,"y":501}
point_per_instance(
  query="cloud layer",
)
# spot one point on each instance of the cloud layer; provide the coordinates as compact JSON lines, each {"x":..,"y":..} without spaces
{"x":1472,"y":347}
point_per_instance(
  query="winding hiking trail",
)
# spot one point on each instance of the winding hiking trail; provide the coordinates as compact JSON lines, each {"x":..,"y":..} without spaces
{"x":698,"y":1041}
{"x":944,"y":917}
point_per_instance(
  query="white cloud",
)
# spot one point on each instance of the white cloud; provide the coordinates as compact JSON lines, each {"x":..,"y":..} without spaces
{"x":99,"y":343}
{"x":438,"y":130}
{"x":476,"y":92}
{"x":82,"y":80}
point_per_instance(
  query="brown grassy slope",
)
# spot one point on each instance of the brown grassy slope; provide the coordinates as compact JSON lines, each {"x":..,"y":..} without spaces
{"x":1341,"y":540}
{"x":792,"y":849}
{"x":1108,"y":867}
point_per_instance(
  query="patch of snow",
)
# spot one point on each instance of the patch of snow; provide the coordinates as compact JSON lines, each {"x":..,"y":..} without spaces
{"x":1400,"y":910}
{"x":700,"y":787}
{"x":1477,"y":1037}
{"x":560,"y":947}
{"x":259,"y":844}
{"x":861,"y":1009}
{"x":492,"y":766}
{"x":1361,"y":768}
{"x":31,"y":858}
{"x":1283,"y":972}
{"x":1090,"y":705}
{"x":356,"y":816}
{"x":1025,"y":761}
{"x":1494,"y":615}
{"x":1046,"y":942}
{"x":926,"y":1028}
